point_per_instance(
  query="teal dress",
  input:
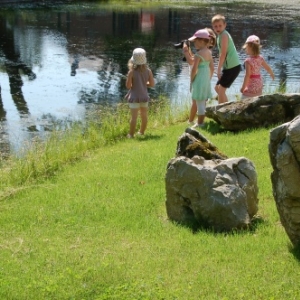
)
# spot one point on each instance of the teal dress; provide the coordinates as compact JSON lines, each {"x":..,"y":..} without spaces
{"x":201,"y":86}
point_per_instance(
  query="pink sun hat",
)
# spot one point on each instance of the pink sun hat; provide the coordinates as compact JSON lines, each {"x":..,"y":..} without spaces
{"x":201,"y":34}
{"x":253,"y":39}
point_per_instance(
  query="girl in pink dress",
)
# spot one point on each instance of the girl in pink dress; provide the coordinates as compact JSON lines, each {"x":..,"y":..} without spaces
{"x":253,"y":81}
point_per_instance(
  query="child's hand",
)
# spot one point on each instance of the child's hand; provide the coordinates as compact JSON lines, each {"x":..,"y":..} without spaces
{"x":185,"y":48}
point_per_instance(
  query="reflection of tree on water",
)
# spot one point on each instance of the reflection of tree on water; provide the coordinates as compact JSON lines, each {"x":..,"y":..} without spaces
{"x":2,"y":110}
{"x":112,"y":74}
{"x":15,"y":83}
{"x":14,"y":67}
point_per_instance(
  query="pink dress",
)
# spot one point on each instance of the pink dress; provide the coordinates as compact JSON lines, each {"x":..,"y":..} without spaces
{"x":255,"y":85}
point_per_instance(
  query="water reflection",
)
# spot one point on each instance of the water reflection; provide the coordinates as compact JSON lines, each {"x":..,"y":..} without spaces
{"x":57,"y":63}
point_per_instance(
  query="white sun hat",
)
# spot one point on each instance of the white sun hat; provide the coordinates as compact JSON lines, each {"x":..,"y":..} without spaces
{"x":139,"y":56}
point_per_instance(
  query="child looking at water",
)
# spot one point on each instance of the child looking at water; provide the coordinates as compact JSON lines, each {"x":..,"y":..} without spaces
{"x":190,"y":60}
{"x":229,"y":65}
{"x":139,"y":78}
{"x":201,"y":73}
{"x":253,"y":81}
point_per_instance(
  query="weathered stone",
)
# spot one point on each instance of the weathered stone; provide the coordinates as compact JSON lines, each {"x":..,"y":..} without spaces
{"x":256,"y":112}
{"x":192,"y":143}
{"x":284,"y":151}
{"x":219,"y":194}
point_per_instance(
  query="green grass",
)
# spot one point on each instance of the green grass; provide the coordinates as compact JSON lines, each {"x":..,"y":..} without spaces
{"x":105,"y":126}
{"x":98,"y":229}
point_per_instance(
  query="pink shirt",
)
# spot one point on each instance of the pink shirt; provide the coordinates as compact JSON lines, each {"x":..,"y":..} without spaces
{"x":255,"y":85}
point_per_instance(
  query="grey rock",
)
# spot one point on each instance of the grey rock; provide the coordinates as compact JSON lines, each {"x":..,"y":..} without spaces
{"x":256,"y":112}
{"x":218,"y":194}
{"x":284,"y":152}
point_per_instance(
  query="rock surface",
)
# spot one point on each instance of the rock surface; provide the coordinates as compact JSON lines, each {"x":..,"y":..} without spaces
{"x":192,"y":143}
{"x":284,"y":151}
{"x":256,"y":112}
{"x":206,"y":189}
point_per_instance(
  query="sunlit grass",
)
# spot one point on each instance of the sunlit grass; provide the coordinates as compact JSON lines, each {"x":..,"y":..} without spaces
{"x":98,"y":229}
{"x":106,"y":125}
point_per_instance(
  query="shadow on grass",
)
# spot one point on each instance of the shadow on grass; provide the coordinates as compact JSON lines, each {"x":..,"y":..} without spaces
{"x":148,"y":137}
{"x":194,"y":226}
{"x":295,"y":250}
{"x":213,"y":127}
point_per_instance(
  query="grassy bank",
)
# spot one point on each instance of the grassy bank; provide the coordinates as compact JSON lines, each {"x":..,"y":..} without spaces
{"x":98,"y":229}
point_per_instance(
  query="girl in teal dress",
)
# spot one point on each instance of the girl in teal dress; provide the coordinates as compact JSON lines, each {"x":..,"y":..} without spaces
{"x":201,"y":73}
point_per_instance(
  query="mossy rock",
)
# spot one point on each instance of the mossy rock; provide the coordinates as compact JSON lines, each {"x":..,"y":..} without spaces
{"x":193,"y":143}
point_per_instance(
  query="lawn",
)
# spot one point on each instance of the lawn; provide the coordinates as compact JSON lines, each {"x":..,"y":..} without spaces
{"x":98,"y":229}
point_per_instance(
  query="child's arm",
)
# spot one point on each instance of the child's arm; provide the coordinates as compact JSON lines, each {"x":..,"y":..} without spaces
{"x":129,"y":80}
{"x":246,"y":77}
{"x":268,"y":69}
{"x":151,"y":82}
{"x":187,"y":54}
{"x":212,"y":67}
{"x":195,"y":67}
{"x":223,"y":53}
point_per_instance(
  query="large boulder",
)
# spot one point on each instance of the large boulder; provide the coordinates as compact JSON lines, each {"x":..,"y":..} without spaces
{"x":284,"y":151}
{"x":206,"y":189}
{"x":217,"y":194}
{"x":256,"y":112}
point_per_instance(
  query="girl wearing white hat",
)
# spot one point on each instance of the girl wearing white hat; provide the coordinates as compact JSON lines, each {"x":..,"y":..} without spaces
{"x":139,"y":78}
{"x":253,"y":81}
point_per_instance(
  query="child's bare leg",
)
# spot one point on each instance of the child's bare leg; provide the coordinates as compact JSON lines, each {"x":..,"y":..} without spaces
{"x":201,"y":119}
{"x":144,"y":119}
{"x":221,"y":91}
{"x":134,"y":114}
{"x":193,"y":111}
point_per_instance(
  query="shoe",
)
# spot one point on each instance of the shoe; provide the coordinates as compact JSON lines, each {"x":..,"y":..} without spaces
{"x":139,"y":133}
{"x":190,"y":123}
{"x":129,"y":136}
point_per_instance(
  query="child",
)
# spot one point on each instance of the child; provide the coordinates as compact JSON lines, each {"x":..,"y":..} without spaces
{"x":229,"y":65}
{"x":253,"y":81}
{"x":201,"y":73}
{"x":139,"y":78}
{"x":190,"y":59}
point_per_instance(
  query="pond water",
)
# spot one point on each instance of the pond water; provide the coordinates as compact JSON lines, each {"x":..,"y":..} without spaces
{"x":57,"y":63}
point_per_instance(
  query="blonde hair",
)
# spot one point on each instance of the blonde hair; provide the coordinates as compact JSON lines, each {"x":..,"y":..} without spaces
{"x":213,"y":38}
{"x":206,"y":41}
{"x":255,"y":48}
{"x":132,"y":66}
{"x":218,"y":18}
